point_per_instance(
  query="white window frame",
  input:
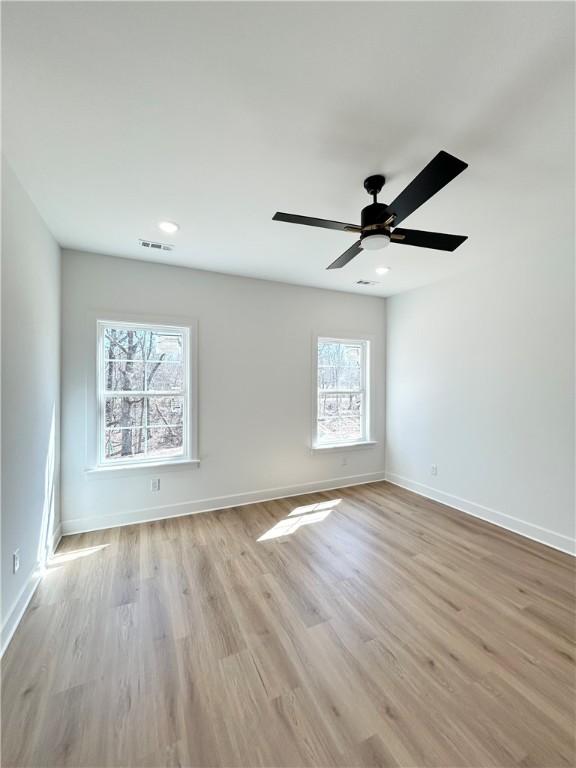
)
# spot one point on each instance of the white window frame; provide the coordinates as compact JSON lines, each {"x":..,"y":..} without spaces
{"x":190,"y":407}
{"x":367,"y":388}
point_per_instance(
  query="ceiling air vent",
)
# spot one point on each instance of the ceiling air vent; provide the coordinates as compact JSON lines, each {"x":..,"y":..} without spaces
{"x":367,"y":282}
{"x":155,"y":246}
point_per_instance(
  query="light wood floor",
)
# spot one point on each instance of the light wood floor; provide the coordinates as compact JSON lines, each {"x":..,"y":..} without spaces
{"x":379,"y":630}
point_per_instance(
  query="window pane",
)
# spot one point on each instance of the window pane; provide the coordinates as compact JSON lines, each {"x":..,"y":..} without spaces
{"x":332,"y":406}
{"x":165,"y":411}
{"x":349,"y":405}
{"x":164,"y":377}
{"x":125,"y":412}
{"x":142,"y":344}
{"x":327,"y":352}
{"x":164,"y":441}
{"x":165,"y":346}
{"x":123,"y":344}
{"x":339,"y":353}
{"x":327,"y":406}
{"x":339,"y":377}
{"x":123,"y":443}
{"x":339,"y":365}
{"x":340,"y":430}
{"x":123,"y":375}
{"x":351,"y":427}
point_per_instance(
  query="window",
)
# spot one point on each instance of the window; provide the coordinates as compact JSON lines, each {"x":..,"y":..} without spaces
{"x":143,"y":393}
{"x":342,"y":416}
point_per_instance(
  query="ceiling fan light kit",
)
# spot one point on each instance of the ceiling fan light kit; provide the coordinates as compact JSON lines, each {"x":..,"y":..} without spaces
{"x":379,"y":222}
{"x":374,"y":242}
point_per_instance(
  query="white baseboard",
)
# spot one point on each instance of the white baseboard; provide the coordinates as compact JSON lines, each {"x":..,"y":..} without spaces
{"x":56,"y":536}
{"x":529,"y":530}
{"x":19,"y":606}
{"x":21,"y":603}
{"x":96,"y":523}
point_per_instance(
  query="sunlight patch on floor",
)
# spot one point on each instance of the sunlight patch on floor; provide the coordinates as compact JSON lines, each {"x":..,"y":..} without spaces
{"x":315,"y":507}
{"x":300,"y":516}
{"x":74,"y":554}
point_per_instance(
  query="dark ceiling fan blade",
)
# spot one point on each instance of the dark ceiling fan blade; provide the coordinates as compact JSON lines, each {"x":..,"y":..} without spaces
{"x":439,"y":171}
{"x":421,"y":239}
{"x":293,"y":218}
{"x":347,"y":256}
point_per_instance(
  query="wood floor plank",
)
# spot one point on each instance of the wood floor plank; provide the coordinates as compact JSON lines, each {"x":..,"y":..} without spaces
{"x":365,"y":626}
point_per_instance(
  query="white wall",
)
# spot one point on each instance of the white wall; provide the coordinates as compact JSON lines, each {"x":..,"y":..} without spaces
{"x":255,"y":394}
{"x":30,"y":395}
{"x":481,"y":382}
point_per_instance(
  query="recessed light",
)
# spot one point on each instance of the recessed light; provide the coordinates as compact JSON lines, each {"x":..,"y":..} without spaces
{"x":168,"y":226}
{"x":382,"y":270}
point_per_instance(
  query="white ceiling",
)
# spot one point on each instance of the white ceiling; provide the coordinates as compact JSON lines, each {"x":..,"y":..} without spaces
{"x":215,"y":115}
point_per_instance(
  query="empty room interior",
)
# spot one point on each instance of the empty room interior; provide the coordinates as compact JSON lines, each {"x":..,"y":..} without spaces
{"x":287,"y":389}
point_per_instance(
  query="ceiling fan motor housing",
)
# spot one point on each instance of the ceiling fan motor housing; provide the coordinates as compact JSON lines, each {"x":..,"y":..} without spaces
{"x":374,"y":216}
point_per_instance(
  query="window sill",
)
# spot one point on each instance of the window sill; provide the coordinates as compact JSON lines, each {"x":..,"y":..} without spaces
{"x":343,"y":446}
{"x":124,"y":470}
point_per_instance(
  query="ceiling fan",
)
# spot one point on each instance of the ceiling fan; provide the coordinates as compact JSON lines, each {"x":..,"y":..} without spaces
{"x":379,"y":221}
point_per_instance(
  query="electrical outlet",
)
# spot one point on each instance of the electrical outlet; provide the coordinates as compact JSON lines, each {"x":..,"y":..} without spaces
{"x":155,"y":485}
{"x":15,"y":561}
{"x":434,"y":469}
